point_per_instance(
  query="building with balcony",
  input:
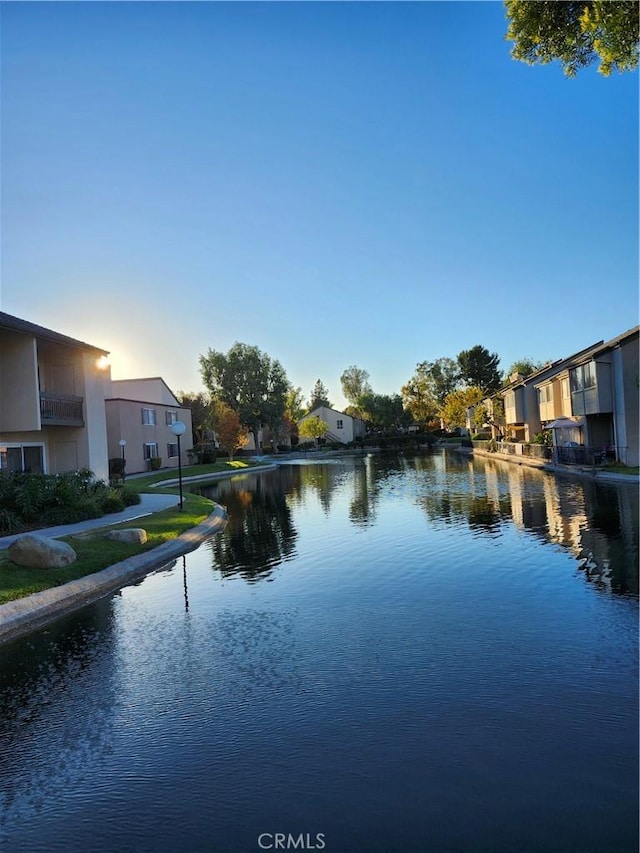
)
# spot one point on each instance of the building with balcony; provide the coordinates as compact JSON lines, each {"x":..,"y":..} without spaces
{"x":591,"y":399}
{"x":52,"y":390}
{"x":141,"y":412}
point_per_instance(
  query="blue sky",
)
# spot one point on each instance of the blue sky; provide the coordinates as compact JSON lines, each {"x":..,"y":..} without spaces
{"x":374,"y":184}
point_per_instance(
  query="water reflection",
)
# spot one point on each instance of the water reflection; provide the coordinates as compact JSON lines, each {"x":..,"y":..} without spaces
{"x":596,"y":522}
{"x":260,"y":533}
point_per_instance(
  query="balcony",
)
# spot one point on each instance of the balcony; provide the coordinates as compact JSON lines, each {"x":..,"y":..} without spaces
{"x":61,"y":410}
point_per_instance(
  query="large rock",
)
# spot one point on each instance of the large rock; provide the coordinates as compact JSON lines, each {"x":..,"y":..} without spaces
{"x":40,"y":552}
{"x":131,"y":535}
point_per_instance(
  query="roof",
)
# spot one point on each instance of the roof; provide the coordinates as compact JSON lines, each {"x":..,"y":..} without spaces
{"x":15,"y":324}
{"x":329,"y":409}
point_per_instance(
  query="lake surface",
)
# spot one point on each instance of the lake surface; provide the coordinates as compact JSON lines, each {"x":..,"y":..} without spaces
{"x":378,"y":654}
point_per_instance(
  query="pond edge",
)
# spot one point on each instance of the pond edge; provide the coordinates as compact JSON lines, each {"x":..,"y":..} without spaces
{"x":25,"y":615}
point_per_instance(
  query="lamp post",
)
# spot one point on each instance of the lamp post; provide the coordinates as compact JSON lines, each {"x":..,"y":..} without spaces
{"x":123,"y":444}
{"x":178,"y":429}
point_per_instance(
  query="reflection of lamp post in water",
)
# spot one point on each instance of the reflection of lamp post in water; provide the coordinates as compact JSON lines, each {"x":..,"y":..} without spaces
{"x":178,"y":429}
{"x":123,"y":444}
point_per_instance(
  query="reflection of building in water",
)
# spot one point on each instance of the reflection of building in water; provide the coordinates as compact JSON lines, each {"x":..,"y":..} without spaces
{"x":598,"y":523}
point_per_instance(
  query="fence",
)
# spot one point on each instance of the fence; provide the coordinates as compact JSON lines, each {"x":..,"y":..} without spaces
{"x":569,"y":455}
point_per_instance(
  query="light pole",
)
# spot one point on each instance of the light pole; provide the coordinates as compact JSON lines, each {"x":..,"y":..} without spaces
{"x":178,"y":429}
{"x":123,"y":444}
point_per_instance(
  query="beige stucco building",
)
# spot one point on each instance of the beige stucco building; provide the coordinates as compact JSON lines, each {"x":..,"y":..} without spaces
{"x":141,"y":413}
{"x":52,"y":391}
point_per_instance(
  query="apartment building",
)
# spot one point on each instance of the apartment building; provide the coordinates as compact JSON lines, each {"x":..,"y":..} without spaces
{"x":52,"y":391}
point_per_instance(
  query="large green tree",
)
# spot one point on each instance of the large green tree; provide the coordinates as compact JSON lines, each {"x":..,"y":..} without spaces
{"x":355,"y":383}
{"x":456,"y":405}
{"x":384,"y":411}
{"x":418,"y":395}
{"x":575,"y":34}
{"x":479,"y":368}
{"x":250,"y":381}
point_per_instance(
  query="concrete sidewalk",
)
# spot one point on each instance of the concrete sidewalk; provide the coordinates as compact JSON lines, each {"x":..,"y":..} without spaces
{"x":148,"y":505}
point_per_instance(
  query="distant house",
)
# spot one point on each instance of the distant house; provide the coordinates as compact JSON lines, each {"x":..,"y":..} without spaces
{"x":141,"y":412}
{"x":342,"y":427}
{"x":52,"y":390}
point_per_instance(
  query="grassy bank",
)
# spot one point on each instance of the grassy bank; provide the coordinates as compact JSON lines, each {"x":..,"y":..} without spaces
{"x":96,"y":553}
{"x":152,"y":482}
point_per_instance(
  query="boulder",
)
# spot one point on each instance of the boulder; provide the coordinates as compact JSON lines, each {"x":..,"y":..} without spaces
{"x":131,"y":535}
{"x":40,"y":552}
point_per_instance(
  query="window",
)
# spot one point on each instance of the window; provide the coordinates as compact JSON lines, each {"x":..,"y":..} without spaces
{"x":510,"y":400}
{"x":149,"y":417}
{"x":546,"y":394}
{"x":150,"y":450}
{"x":170,"y":418}
{"x":172,"y":449}
{"x":27,"y":458}
{"x":565,"y":389}
{"x":339,"y":424}
{"x":583,"y":377}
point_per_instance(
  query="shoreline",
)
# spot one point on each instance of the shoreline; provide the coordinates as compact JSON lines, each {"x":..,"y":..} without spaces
{"x":25,"y":615}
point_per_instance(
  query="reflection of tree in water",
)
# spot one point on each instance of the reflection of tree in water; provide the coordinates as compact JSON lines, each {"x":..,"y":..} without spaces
{"x":321,"y":479}
{"x":478,"y":511}
{"x":260,"y":533}
{"x":366,"y":489}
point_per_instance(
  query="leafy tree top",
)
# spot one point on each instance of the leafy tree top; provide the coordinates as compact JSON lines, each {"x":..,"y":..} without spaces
{"x":575,"y":33}
{"x":248,"y":380}
{"x":319,"y":397}
{"x":479,"y":368}
{"x":355,"y":383}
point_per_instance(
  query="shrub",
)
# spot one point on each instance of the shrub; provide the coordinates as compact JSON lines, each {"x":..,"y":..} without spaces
{"x":154,"y":463}
{"x":116,"y":468}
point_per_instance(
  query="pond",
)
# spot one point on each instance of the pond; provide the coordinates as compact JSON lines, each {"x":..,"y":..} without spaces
{"x":379,"y":653}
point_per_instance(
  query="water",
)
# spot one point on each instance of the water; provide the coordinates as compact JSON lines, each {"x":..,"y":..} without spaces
{"x":379,"y":654}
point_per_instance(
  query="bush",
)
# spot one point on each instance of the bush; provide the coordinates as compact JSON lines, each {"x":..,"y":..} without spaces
{"x":116,"y":468}
{"x":52,"y":499}
{"x":154,"y":463}
{"x":481,"y":436}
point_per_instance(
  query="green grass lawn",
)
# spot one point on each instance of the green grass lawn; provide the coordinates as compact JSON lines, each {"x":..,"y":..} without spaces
{"x":96,"y":553}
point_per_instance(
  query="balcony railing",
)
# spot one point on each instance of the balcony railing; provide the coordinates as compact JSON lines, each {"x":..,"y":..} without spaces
{"x":60,"y":410}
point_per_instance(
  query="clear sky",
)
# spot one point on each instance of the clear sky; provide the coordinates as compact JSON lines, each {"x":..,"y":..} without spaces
{"x":374,"y":184}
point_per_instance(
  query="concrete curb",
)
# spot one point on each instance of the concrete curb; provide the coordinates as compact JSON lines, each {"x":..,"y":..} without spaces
{"x":21,"y":617}
{"x":599,"y":475}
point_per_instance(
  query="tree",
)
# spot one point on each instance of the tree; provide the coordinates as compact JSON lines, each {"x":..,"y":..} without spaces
{"x":294,"y":405}
{"x":313,"y":427}
{"x":384,"y":411}
{"x":479,"y":367}
{"x":355,"y":383}
{"x":575,"y":33}
{"x":456,"y":404}
{"x":248,"y":380}
{"x":319,"y":397}
{"x":418,"y":395}
{"x":231,"y":432}
{"x":200,"y":406}
{"x":525,"y":367}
